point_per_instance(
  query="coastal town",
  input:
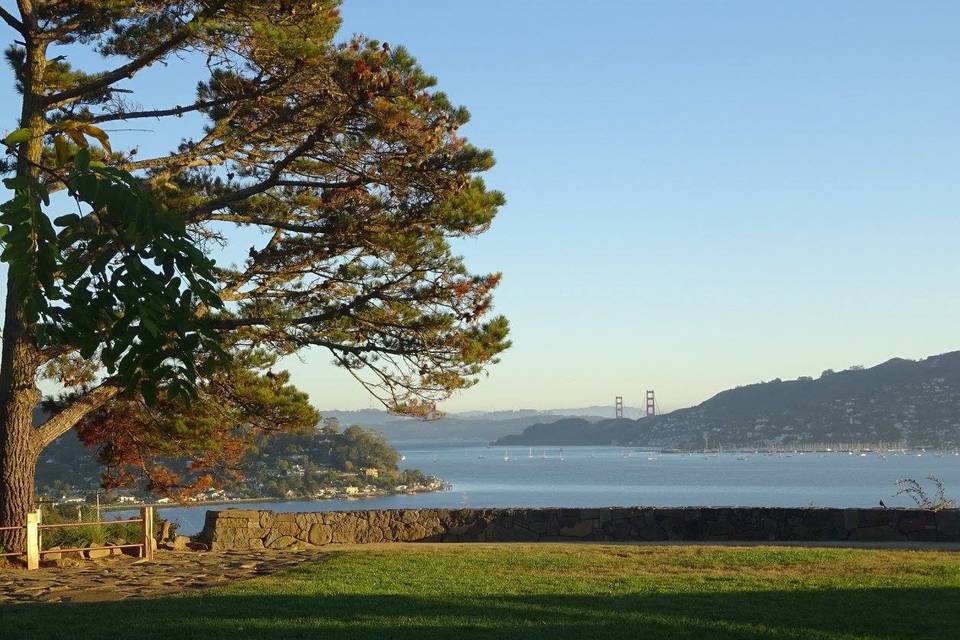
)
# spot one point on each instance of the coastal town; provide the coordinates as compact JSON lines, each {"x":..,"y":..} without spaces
{"x":354,"y":486}
{"x":324,"y":464}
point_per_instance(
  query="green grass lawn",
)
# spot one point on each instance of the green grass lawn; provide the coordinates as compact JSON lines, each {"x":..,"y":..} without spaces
{"x":547,"y":591}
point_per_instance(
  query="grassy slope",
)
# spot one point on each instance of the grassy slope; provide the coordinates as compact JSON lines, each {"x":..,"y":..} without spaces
{"x":548,"y":591}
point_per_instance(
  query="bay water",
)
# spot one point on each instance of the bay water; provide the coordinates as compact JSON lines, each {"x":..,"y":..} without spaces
{"x":483,"y":476}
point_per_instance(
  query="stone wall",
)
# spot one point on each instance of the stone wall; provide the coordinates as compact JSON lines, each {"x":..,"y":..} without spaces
{"x":247,"y":529}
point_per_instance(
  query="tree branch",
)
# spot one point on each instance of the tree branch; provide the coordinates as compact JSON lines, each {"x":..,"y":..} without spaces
{"x":162,"y":113}
{"x":228,"y":324}
{"x":128,"y":70}
{"x":232,"y":290}
{"x":319,"y":184}
{"x":270,"y":181}
{"x":266,"y":222}
{"x":66,"y":419}
{"x":11,"y":20}
{"x":355,"y":349}
{"x":180,"y":110}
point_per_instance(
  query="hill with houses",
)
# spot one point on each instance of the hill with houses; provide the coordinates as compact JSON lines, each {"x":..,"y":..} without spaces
{"x":900,"y":401}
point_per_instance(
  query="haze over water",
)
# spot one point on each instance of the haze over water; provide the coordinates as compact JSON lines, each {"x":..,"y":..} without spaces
{"x":617,"y":476}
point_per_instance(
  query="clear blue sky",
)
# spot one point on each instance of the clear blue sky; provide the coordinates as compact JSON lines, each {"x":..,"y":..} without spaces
{"x":700,"y":194}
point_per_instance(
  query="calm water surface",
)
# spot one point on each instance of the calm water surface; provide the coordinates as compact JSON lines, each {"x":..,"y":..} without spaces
{"x":614,"y":476}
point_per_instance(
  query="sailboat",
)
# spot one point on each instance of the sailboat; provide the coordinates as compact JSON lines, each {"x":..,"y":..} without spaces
{"x":530,"y":452}
{"x":506,"y":458}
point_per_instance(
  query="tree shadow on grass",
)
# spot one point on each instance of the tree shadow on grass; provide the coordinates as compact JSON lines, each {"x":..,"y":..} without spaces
{"x":864,"y":613}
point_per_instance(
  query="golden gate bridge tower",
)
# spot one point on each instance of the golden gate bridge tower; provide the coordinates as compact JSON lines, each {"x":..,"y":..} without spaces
{"x":651,"y":403}
{"x":618,"y":407}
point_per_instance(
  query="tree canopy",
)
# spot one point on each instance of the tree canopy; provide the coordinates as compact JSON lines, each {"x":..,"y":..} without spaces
{"x":343,"y":158}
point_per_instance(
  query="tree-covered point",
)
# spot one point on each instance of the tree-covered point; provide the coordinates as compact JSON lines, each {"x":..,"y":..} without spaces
{"x":319,"y":460}
{"x":288,"y":464}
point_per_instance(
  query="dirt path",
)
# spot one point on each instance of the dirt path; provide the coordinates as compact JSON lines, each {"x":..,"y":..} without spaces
{"x":121,"y":577}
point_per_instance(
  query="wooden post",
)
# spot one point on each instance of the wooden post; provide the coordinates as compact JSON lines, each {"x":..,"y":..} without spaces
{"x":147,"y":514}
{"x":33,"y":541}
{"x":39,"y":530}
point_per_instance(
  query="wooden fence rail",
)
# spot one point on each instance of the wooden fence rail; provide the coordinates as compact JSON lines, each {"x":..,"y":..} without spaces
{"x":12,"y":554}
{"x":33,"y":527}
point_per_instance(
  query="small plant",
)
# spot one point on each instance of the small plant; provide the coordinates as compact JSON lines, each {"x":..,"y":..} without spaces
{"x":913,"y":489}
{"x":89,"y":534}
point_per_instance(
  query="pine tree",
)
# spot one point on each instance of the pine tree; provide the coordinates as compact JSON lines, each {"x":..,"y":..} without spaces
{"x":345,"y":158}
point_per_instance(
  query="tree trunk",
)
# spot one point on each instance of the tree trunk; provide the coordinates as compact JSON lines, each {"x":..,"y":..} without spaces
{"x":18,"y":461}
{"x":18,"y":444}
{"x":18,"y":447}
{"x":20,"y":359}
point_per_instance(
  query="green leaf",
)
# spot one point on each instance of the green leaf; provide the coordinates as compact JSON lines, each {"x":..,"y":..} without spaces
{"x":67,"y":220}
{"x":115,"y":300}
{"x":150,"y":326}
{"x":82,"y":160}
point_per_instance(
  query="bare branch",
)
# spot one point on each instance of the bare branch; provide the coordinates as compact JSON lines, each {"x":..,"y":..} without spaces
{"x":11,"y":20}
{"x":180,"y":110}
{"x":162,"y":113}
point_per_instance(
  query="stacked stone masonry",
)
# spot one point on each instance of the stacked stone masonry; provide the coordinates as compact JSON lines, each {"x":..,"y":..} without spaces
{"x":251,"y":530}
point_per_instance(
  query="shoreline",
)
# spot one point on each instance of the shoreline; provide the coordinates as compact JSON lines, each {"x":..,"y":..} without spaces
{"x":198,"y":503}
{"x":741,"y":449}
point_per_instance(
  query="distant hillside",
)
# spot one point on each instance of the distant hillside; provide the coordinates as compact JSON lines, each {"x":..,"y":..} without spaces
{"x":594,"y":412}
{"x":473,"y":427}
{"x":900,"y":400}
{"x":569,"y":432}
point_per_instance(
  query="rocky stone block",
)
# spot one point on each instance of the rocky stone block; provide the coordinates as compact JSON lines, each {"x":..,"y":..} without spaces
{"x":948,"y":525}
{"x":286,"y":528}
{"x":284,"y":517}
{"x":116,"y":547}
{"x":282,"y":542}
{"x":92,"y":553}
{"x":343,"y":532}
{"x":575,"y":529}
{"x":880,"y":517}
{"x":319,"y":534}
{"x":913,"y":522}
{"x":240,"y":514}
{"x":247,"y":529}
{"x":180,"y":543}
